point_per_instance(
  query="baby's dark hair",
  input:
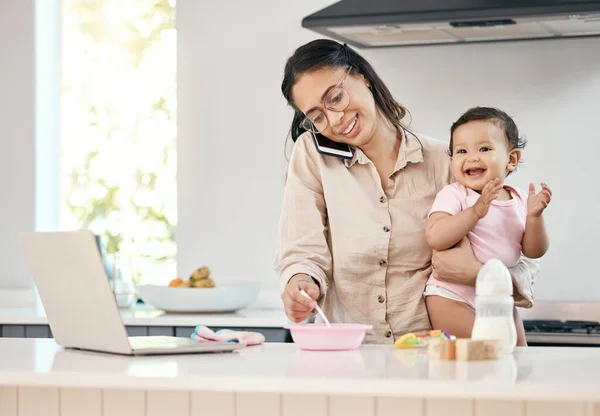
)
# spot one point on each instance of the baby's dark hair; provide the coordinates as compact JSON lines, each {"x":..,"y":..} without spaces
{"x":499,"y":117}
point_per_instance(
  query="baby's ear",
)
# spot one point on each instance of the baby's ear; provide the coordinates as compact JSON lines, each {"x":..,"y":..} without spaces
{"x":513,"y":159}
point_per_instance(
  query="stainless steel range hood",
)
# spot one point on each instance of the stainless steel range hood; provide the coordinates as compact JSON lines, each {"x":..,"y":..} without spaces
{"x":386,"y":23}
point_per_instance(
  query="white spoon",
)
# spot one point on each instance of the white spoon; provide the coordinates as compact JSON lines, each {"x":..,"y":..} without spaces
{"x":306,"y":295}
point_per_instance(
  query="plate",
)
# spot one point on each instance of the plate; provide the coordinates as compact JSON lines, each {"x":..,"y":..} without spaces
{"x":229,"y":298}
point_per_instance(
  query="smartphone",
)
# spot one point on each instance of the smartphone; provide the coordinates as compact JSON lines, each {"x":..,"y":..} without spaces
{"x":331,"y":148}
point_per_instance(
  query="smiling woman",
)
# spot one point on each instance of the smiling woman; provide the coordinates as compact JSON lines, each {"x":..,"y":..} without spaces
{"x":352,"y":231}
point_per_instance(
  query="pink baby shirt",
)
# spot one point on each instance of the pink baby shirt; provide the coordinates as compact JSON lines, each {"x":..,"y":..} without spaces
{"x":497,"y":235}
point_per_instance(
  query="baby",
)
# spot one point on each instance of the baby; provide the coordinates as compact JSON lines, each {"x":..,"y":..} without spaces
{"x":500,"y":221}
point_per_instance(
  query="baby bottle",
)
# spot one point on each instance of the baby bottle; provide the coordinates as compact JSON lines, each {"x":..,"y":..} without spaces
{"x":494,"y":306}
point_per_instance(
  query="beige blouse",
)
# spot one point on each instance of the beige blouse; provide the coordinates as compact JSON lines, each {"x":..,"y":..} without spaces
{"x":364,"y":244}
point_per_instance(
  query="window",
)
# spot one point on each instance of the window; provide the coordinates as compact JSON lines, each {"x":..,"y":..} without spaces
{"x":118,"y":129}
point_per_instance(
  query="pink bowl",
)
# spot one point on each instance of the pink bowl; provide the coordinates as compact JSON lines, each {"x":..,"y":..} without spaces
{"x":320,"y":337}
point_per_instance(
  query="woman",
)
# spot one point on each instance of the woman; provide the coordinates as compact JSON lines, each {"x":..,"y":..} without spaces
{"x":352,"y":231}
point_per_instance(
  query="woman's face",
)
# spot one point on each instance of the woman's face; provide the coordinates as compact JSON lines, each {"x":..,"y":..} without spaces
{"x":355,"y":124}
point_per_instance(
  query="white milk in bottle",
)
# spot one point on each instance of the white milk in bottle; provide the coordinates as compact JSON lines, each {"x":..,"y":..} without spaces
{"x":494,"y":306}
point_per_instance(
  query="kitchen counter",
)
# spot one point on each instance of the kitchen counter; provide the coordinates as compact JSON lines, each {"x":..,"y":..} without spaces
{"x":28,"y":319}
{"x":373,"y":380}
{"x":266,"y":311}
{"x":146,"y":316}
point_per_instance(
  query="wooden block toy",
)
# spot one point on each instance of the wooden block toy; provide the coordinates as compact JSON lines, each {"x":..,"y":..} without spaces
{"x":476,"y":350}
{"x":441,"y":349}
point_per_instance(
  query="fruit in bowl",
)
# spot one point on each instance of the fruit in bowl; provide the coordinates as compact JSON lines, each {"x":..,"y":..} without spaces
{"x":184,"y":295}
{"x":200,"y":278}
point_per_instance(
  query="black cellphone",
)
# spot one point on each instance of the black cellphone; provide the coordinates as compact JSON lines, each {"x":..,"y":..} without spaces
{"x":328,"y":147}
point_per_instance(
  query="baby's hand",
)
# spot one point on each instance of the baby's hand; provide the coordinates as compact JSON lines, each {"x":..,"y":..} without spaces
{"x":488,"y":194}
{"x":537,"y":203}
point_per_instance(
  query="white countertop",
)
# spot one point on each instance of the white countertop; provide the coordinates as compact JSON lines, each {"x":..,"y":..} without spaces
{"x":23,"y":308}
{"x":265,"y":312}
{"x":531,"y":373}
{"x":144,"y":316}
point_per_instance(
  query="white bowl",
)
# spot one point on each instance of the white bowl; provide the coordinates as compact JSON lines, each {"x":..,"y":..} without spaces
{"x":218,"y":299}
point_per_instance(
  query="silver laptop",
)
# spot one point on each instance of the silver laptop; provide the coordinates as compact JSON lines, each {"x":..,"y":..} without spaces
{"x":80,"y":306}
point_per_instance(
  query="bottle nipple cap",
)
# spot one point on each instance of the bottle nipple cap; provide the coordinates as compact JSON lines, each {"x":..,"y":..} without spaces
{"x":494,"y":279}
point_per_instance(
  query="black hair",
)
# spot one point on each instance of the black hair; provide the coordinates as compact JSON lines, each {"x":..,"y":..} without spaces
{"x":325,"y":53}
{"x":498,"y":117}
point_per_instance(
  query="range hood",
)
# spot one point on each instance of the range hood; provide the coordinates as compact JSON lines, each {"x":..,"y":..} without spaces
{"x":386,"y":23}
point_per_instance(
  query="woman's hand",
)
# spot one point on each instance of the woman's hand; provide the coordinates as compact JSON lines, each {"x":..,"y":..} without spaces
{"x":457,"y":264}
{"x":298,"y":307}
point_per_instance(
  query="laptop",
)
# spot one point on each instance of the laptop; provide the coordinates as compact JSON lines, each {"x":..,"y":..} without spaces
{"x":82,"y":311}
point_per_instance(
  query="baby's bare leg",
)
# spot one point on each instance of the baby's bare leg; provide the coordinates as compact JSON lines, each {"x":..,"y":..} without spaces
{"x":456,"y":318}
{"x":521,"y":340}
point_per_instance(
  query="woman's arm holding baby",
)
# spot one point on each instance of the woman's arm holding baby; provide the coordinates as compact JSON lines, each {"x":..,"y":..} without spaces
{"x":535,"y":239}
{"x":445,"y":230}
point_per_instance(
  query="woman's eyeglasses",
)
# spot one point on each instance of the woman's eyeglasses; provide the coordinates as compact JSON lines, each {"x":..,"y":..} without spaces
{"x":337,"y":99}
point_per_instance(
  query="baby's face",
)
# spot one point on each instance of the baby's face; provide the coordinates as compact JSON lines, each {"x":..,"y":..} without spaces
{"x":480,"y":154}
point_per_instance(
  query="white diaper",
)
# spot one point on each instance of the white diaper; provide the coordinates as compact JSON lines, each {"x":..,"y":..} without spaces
{"x":443,"y":292}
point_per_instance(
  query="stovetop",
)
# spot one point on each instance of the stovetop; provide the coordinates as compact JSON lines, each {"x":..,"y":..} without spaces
{"x":541,"y":331}
{"x":574,"y":327}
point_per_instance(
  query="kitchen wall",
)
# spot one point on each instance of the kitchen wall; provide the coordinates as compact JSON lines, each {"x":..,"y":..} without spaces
{"x":29,"y":81}
{"x":233,"y":123}
{"x":17,"y":137}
